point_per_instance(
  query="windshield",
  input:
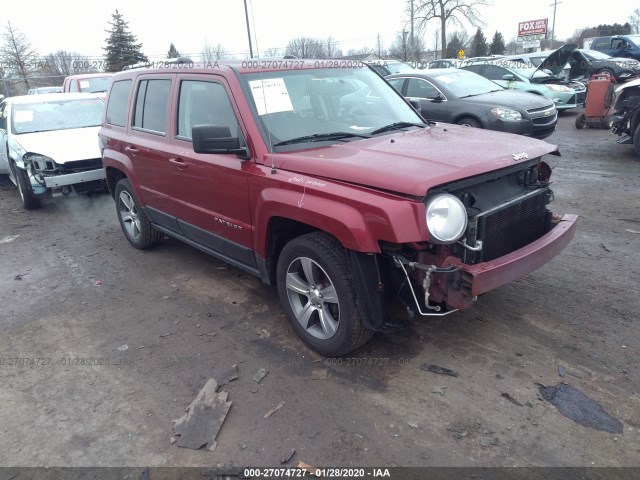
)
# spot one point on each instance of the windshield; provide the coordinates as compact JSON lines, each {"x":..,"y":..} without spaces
{"x":399,"y":67}
{"x":634,"y":38}
{"x":313,"y":102}
{"x":462,"y":83}
{"x":56,"y":115}
{"x":95,"y":84}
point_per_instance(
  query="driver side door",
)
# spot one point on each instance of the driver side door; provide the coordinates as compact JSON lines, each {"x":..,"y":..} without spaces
{"x":433,"y":103}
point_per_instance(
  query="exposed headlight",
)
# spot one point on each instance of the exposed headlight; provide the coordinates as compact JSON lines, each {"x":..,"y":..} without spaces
{"x":40,"y":162}
{"x":557,"y":88}
{"x":446,"y":218}
{"x":506,"y":114}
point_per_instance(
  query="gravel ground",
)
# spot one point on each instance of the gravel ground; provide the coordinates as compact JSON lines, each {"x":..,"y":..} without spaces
{"x":73,"y":294}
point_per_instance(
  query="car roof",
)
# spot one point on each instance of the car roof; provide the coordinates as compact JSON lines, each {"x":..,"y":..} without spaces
{"x":49,"y":97}
{"x":91,"y":75}
{"x":248,"y":66}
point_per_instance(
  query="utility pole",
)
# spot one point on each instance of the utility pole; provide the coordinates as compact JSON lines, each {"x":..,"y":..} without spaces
{"x":246,"y":16}
{"x":404,"y":45}
{"x":412,"y":43}
{"x":553,"y":29}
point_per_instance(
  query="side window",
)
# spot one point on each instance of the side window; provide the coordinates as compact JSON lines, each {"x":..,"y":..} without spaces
{"x":204,"y":103}
{"x":73,"y":85}
{"x":601,"y":44}
{"x":151,"y":105}
{"x":396,"y":83}
{"x":474,"y":68}
{"x":617,"y":44}
{"x":420,"y":89}
{"x":3,"y":116}
{"x":493,"y":72}
{"x":118,"y":103}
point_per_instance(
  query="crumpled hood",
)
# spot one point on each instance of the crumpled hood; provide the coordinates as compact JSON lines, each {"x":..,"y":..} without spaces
{"x":413,"y":162}
{"x":62,"y":145}
{"x":557,"y":60}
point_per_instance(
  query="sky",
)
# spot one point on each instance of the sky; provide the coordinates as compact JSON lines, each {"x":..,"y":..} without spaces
{"x":79,"y":25}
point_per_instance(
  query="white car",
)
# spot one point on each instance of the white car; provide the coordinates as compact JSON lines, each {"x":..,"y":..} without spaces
{"x":49,"y":144}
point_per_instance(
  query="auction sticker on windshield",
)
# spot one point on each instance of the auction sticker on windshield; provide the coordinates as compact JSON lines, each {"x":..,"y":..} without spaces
{"x":270,"y":95}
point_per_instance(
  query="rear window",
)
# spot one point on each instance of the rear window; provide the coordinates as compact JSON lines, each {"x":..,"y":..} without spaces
{"x":118,"y":103}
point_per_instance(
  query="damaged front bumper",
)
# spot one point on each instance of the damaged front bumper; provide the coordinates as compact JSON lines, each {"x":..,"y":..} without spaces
{"x":455,"y":285}
{"x":74,"y":178}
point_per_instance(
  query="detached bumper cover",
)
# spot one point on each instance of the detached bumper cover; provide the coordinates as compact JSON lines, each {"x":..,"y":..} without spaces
{"x":73,"y":178}
{"x":488,"y":276}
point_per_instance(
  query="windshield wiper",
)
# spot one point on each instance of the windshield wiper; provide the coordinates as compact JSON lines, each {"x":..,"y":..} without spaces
{"x":397,"y":126}
{"x":321,"y":137}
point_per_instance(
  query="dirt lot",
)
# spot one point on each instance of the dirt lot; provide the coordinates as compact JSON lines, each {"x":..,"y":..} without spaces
{"x":71,"y":289}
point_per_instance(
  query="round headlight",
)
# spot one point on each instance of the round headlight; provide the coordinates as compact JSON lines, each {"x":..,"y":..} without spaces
{"x":446,"y":218}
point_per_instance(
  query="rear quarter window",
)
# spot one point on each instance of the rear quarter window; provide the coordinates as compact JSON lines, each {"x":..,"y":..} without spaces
{"x":118,"y":103}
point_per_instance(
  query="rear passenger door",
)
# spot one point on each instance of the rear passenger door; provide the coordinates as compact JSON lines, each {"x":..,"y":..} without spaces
{"x":213,"y":188}
{"x":147,"y":144}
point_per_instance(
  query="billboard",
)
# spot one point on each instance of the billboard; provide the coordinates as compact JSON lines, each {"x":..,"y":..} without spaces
{"x":532,"y":27}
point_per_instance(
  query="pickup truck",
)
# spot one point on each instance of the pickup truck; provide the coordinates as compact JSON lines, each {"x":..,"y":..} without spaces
{"x":318,"y":177}
{"x":621,"y":46}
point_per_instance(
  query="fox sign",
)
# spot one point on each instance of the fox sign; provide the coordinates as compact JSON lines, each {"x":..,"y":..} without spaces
{"x":532,"y":27}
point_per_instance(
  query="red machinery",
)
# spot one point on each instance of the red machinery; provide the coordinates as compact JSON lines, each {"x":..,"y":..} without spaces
{"x":600,"y":95}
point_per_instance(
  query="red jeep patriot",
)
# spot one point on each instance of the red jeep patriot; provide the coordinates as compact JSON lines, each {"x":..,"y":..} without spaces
{"x":317,"y":176}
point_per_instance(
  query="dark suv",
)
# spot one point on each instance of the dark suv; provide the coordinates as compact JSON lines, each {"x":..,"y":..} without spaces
{"x":317,"y":176}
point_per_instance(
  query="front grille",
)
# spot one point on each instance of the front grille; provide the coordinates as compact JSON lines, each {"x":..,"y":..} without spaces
{"x":540,"y":109}
{"x":571,"y":100}
{"x":510,"y":227}
{"x":544,"y":120}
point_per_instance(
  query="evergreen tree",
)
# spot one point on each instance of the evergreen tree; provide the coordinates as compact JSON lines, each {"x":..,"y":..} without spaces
{"x":121,"y":49}
{"x":453,"y":46}
{"x":497,"y":46}
{"x":479,"y":47}
{"x":173,"y":52}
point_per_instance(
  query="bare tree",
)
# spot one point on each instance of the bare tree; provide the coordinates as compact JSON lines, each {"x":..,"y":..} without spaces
{"x":20,"y":60}
{"x":449,"y":12}
{"x":306,"y":47}
{"x":331,"y":48}
{"x":634,"y":21}
{"x":271,"y":52}
{"x":211,"y":53}
{"x":359,"y":53}
{"x":55,"y":66}
{"x":380,"y":51}
{"x":403,"y":49}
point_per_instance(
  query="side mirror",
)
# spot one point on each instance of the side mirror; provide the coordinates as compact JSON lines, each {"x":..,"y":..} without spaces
{"x":414,"y":103}
{"x":438,"y":98}
{"x":216,"y":139}
{"x":508,"y":77}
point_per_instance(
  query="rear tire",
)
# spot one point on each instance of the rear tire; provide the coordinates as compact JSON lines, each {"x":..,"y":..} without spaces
{"x":318,"y":296}
{"x":134,"y":222}
{"x":581,"y":121}
{"x":469,"y":122}
{"x":28,"y":198}
{"x":636,"y":139}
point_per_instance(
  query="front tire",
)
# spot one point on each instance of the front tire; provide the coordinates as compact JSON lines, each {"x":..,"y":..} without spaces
{"x":581,"y":121}
{"x":134,"y":222}
{"x":317,"y":294}
{"x":636,"y":139}
{"x":28,"y":198}
{"x":469,"y":122}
